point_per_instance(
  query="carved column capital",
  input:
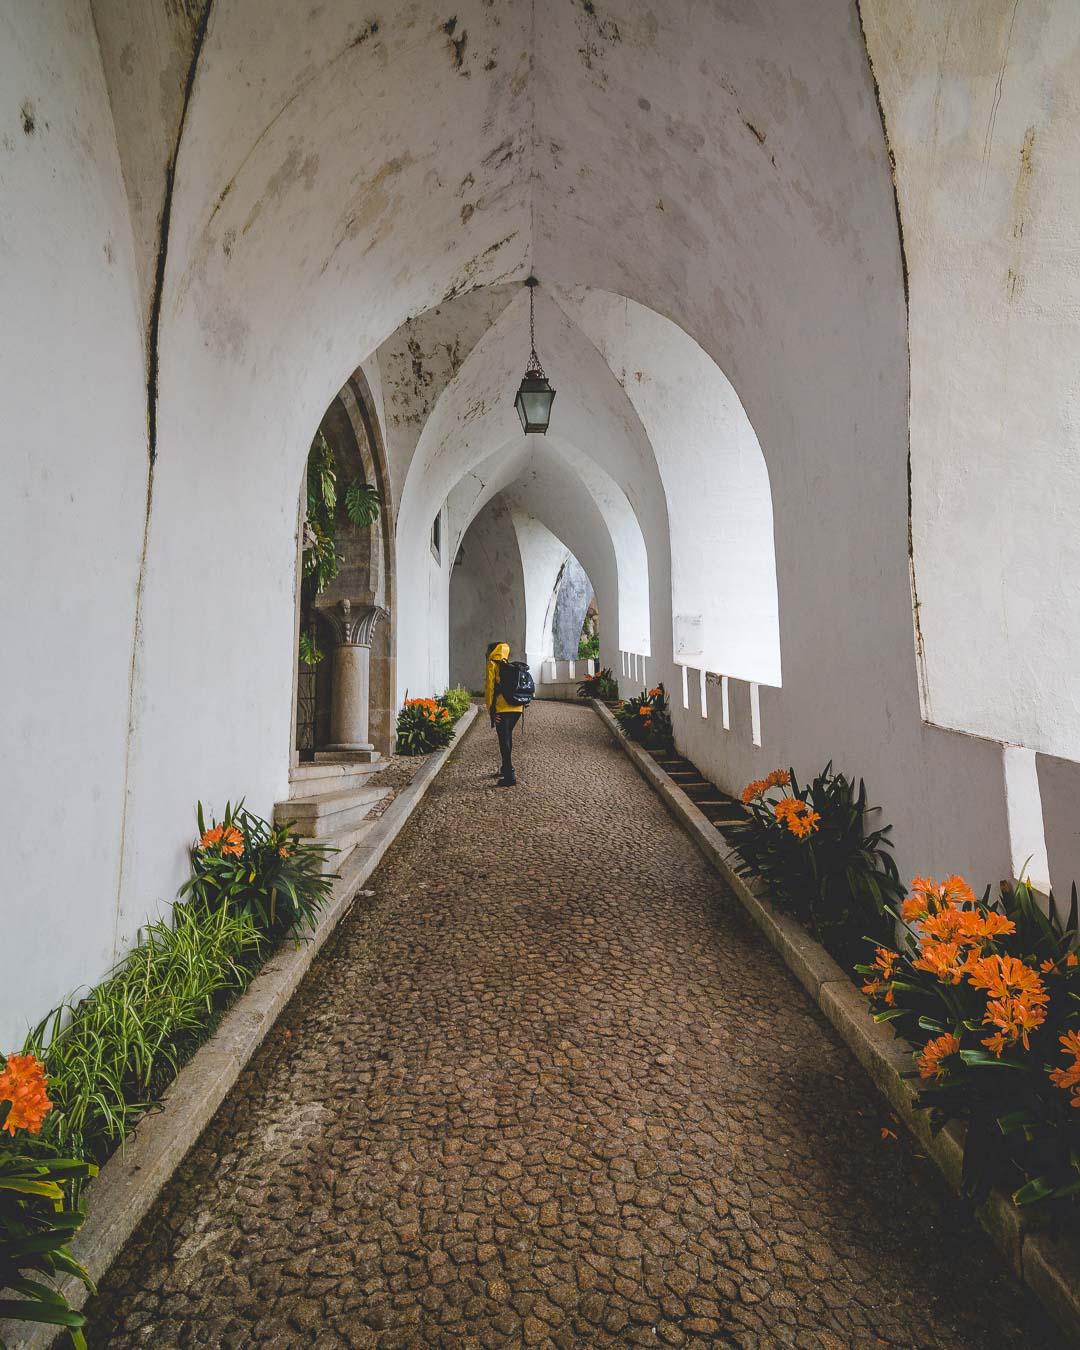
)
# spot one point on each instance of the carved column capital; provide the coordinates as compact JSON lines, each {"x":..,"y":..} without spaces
{"x":354,"y":624}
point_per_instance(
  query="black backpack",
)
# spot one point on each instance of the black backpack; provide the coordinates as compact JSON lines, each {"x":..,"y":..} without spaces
{"x":515,"y":683}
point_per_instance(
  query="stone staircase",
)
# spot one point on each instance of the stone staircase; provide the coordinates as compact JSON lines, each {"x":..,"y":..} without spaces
{"x":721,"y":809}
{"x":330,"y":799}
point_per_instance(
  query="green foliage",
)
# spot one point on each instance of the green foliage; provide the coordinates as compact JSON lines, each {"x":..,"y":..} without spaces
{"x":245,"y":864}
{"x":310,"y":651}
{"x":110,"y":1054}
{"x":1022,"y":1129}
{"x":838,"y":879}
{"x":38,"y":1218}
{"x":320,"y":559}
{"x":362,"y":503}
{"x":588,"y":648}
{"x":646,"y":719}
{"x":602,"y":685}
{"x":423,"y":725}
{"x":456,"y":701}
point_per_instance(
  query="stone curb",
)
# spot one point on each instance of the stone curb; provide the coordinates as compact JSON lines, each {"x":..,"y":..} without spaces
{"x":1048,"y":1265}
{"x":132,"y":1179}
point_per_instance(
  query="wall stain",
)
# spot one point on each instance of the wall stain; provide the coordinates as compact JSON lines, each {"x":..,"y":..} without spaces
{"x":457,"y":44}
{"x":29,"y":121}
{"x":369,"y":30}
{"x":1025,"y":174}
{"x":597,"y":33}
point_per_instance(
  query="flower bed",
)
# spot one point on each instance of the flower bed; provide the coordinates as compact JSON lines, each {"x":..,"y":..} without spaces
{"x":988,"y":993}
{"x":601,"y":685}
{"x":812,"y":847}
{"x":423,"y":725}
{"x":38,"y":1211}
{"x":647,"y":719}
{"x":94,"y":1066}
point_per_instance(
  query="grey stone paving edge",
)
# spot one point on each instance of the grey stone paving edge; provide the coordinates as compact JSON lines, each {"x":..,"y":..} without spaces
{"x":129,"y":1183}
{"x":1048,"y":1264}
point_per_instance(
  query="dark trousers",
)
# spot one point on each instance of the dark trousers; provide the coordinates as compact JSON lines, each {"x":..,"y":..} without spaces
{"x":504,"y":729}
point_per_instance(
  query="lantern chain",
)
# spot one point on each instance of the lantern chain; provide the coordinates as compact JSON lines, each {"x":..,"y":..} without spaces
{"x":534,"y":367}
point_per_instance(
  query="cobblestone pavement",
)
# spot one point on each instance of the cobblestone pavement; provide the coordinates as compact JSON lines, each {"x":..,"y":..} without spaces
{"x":548,"y":1087}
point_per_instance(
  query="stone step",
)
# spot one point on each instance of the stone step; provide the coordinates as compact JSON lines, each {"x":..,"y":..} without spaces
{"x":329,"y":813}
{"x":309,"y":780}
{"x":347,"y":756}
{"x":344,"y":843}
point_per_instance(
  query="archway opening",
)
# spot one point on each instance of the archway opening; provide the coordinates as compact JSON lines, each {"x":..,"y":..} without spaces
{"x":343,"y":686}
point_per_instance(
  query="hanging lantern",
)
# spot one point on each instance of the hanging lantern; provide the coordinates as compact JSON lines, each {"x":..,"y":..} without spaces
{"x":535,"y":394}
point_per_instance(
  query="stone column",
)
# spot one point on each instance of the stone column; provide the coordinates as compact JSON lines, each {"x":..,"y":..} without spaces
{"x":350,"y":691}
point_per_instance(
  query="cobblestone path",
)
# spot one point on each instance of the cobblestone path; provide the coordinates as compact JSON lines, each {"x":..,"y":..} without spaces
{"x":548,"y":1087}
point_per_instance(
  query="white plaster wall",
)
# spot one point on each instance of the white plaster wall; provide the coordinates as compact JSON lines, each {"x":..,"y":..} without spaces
{"x":1059,"y":796}
{"x":723,"y":563}
{"x":72,"y":389}
{"x":980,"y":102}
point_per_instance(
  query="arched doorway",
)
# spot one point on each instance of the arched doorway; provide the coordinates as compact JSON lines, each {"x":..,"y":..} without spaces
{"x":344,"y":666}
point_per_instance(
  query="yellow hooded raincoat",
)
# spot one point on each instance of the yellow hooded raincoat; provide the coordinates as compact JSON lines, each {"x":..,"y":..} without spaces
{"x":500,"y":652}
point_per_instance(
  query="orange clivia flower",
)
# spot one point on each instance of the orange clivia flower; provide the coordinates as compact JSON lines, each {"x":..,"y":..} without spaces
{"x":232,"y":842}
{"x":935,"y":1052}
{"x":283,"y":851}
{"x":226,"y":838}
{"x":1016,"y":999}
{"x":803,"y":824}
{"x":939,"y":960}
{"x":956,"y":891}
{"x":1015,"y":1019}
{"x":655,"y":693}
{"x":759,"y":786}
{"x":22,"y":1083}
{"x":930,"y":897}
{"x":1068,"y":1079}
{"x":1006,"y":977}
{"x":797,"y":816}
{"x":881,"y":986}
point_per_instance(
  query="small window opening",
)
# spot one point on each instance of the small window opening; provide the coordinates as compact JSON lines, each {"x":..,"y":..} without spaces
{"x":436,"y":537}
{"x":685,"y":688}
{"x":703,"y":697}
{"x":725,"y":706}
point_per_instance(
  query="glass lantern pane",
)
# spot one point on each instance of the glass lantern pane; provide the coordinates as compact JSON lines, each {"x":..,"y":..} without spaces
{"x":538,"y":406}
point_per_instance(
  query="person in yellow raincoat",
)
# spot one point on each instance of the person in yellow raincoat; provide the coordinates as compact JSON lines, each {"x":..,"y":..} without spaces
{"x":504,"y":715}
